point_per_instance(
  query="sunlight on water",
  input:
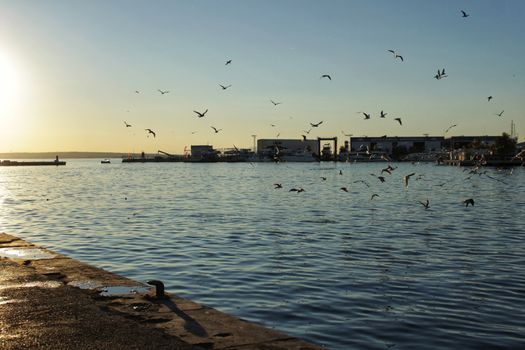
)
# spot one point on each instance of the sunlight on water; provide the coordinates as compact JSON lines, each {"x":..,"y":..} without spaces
{"x":336,"y":268}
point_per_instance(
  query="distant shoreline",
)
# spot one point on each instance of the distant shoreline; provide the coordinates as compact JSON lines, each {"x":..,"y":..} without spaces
{"x":61,"y":155}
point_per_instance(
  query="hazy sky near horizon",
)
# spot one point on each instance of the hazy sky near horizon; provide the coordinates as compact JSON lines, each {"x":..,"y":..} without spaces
{"x":69,"y":71}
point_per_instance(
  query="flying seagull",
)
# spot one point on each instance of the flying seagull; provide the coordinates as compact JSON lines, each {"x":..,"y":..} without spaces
{"x":151,"y":132}
{"x":307,"y":131}
{"x":399,"y":120}
{"x":275,"y":103}
{"x":162,"y":92}
{"x":326,"y":76}
{"x":450,"y":127}
{"x":367,"y":116}
{"x":407,"y":177}
{"x":500,"y":113}
{"x":277,"y":186}
{"x":199,"y":114}
{"x":215,"y":129}
{"x":224,"y":87}
{"x":396,"y":55}
{"x":426,"y":204}
{"x":228,"y":62}
{"x":464,"y":14}
{"x":374,"y":195}
{"x":344,"y":189}
{"x":440,"y":74}
{"x":316,"y":125}
{"x":127,"y":125}
{"x":383,"y":114}
{"x":468,"y":201}
{"x":489,"y":98}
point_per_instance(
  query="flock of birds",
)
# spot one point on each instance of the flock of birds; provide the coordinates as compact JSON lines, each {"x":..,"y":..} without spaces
{"x":367,"y":116}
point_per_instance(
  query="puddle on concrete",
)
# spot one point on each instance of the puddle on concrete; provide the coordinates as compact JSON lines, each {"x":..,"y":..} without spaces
{"x":86,"y":284}
{"x":35,"y":284}
{"x":122,"y":290}
{"x":29,"y":254}
{"x":108,"y":291}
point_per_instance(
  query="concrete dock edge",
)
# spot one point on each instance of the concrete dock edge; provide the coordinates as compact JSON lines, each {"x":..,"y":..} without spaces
{"x":50,"y":301}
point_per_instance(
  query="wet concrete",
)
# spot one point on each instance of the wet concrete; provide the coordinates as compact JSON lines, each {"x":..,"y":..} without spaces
{"x":49,"y":301}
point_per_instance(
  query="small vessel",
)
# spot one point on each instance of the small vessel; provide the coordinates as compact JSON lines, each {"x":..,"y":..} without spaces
{"x":105,"y":161}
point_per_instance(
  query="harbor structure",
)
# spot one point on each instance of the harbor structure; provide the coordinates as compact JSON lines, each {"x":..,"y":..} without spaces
{"x":288,"y":149}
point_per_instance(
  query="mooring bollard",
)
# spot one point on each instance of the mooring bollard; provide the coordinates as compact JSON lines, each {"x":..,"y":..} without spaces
{"x":159,"y":288}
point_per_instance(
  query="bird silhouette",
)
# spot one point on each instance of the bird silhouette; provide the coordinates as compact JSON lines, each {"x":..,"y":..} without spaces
{"x":407,"y":177}
{"x":307,"y":131}
{"x":326,"y":76}
{"x":450,"y":127}
{"x":215,"y":129}
{"x":224,"y":87}
{"x":162,"y":92}
{"x":489,"y":98}
{"x":468,"y":201}
{"x":316,"y":125}
{"x":500,"y":113}
{"x":228,"y":62}
{"x":399,"y":120}
{"x":426,"y":204}
{"x":323,"y":178}
{"x":137,"y":91}
{"x":367,"y":116}
{"x":383,"y":114}
{"x":464,"y":14}
{"x":381,"y":178}
{"x":151,"y":132}
{"x":374,"y":195}
{"x":277,"y":186}
{"x":344,"y":189}
{"x":275,"y":103}
{"x":127,"y":125}
{"x":201,"y":115}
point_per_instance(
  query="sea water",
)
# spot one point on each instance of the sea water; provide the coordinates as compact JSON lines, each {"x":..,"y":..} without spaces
{"x":332,"y":267}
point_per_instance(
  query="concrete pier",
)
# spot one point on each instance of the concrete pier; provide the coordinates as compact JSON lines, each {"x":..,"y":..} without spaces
{"x":50,"y":301}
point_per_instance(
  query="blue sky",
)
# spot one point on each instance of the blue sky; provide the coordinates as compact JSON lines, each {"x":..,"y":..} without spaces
{"x":78,"y":64}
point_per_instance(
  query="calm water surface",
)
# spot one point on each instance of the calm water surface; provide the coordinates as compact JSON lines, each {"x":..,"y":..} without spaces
{"x":331,"y":267}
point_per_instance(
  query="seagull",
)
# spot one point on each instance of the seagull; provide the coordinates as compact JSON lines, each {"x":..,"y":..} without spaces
{"x":396,"y":55}
{"x":323,"y":178}
{"x":407,"y":177}
{"x":307,"y":131}
{"x":224,"y":87}
{"x":374,"y":195}
{"x":127,"y":125}
{"x":450,"y":127}
{"x":464,"y":14}
{"x":440,"y":74}
{"x":316,"y":125}
{"x":137,"y":91}
{"x":426,"y":204}
{"x":500,"y":113}
{"x":383,"y":114}
{"x":228,"y":62}
{"x":277,"y":186}
{"x":381,"y":178}
{"x":162,"y":92}
{"x":151,"y":132}
{"x":363,"y":181}
{"x":344,"y":189}
{"x":275,"y":103}
{"x":468,"y":201}
{"x":326,"y":76}
{"x":399,"y":120}
{"x":199,"y":114}
{"x":215,"y":129}
{"x":400,"y":57}
{"x":489,"y":98}
{"x":298,"y":190}
{"x":367,"y":116}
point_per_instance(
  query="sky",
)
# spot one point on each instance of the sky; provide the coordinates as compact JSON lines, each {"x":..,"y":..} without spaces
{"x":69,"y":71}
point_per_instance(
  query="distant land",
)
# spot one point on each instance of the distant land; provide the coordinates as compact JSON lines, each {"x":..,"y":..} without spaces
{"x":62,"y":155}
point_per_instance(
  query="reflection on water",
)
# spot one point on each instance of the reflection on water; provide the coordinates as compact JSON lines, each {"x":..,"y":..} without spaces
{"x":335,"y":268}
